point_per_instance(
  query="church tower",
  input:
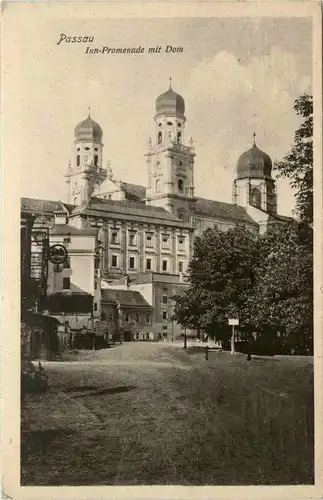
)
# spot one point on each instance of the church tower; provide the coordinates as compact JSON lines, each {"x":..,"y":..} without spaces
{"x":85,"y":173}
{"x":254,"y":184}
{"x":170,"y":162}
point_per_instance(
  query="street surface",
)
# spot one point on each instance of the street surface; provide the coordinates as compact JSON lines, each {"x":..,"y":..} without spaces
{"x":151,"y":413}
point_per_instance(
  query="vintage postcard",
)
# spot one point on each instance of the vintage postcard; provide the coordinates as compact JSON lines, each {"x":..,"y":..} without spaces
{"x":163,"y":297}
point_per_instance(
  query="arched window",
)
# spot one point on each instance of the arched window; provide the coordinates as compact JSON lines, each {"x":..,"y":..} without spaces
{"x":180,"y":185}
{"x":78,"y":160}
{"x":160,"y":137}
{"x":157,"y":185}
{"x":179,"y":136}
{"x":255,"y":198}
{"x":96,"y":160}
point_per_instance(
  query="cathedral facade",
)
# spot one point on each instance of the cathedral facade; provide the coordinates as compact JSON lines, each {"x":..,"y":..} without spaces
{"x":144,"y":234}
{"x":151,"y":228}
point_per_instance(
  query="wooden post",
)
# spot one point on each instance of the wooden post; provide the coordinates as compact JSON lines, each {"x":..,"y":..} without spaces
{"x":206,"y":353}
{"x":185,"y":340}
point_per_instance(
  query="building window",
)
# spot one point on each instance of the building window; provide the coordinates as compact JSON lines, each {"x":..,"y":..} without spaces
{"x":127,"y":318}
{"x":137,"y":318}
{"x":96,"y":160}
{"x":160,"y":137}
{"x":132,"y":240}
{"x":78,"y":160}
{"x":164,"y":265}
{"x":66,"y":240}
{"x":114,"y":237}
{"x":180,"y":185}
{"x":66,"y":283}
{"x":148,"y":264}
{"x":164,"y":314}
{"x":110,"y":319}
{"x":67,"y":263}
{"x":181,"y":243}
{"x":165,"y":242}
{"x":180,"y":266}
{"x":147,"y":318}
{"x":114,"y":260}
{"x":179,"y":137}
{"x":131,"y":262}
{"x":109,"y":196}
{"x":256,"y":198}
{"x":149,"y":241}
{"x":165,"y":299}
{"x":95,"y":306}
{"x":157,"y":185}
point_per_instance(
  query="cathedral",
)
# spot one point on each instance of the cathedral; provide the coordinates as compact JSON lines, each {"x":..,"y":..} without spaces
{"x":151,"y":228}
{"x":144,"y":235}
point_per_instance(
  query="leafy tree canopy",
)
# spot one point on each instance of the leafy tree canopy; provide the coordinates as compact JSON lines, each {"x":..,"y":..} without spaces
{"x":297,"y":165}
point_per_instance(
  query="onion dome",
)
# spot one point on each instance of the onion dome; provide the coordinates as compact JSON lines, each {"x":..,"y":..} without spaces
{"x":170,"y":103}
{"x":254,"y":163}
{"x":88,"y":130}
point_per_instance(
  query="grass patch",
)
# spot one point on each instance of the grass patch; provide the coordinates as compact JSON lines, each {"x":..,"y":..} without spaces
{"x":182,"y":420}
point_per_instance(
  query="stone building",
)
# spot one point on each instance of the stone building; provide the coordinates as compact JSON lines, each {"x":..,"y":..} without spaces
{"x":147,"y":232}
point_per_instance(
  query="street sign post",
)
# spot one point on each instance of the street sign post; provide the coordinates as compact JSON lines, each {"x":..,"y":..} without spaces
{"x":233,"y":322}
{"x":57,"y":254}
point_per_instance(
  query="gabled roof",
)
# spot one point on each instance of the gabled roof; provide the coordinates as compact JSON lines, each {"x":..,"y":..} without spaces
{"x":126,"y":298}
{"x":221,"y":210}
{"x":39,"y":207}
{"x":134,"y":192}
{"x":132,"y":210}
{"x":65,"y":229}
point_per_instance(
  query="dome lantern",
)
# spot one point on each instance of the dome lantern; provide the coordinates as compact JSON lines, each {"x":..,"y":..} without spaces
{"x":170,"y":103}
{"x":88,"y":130}
{"x":254,"y":163}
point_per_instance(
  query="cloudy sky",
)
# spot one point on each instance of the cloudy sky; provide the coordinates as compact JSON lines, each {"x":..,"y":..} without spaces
{"x":237,"y":76}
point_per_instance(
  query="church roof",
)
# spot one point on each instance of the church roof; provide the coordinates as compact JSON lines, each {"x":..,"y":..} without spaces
{"x":221,"y":210}
{"x":254,"y":163}
{"x":88,"y":130}
{"x":170,"y":103}
{"x":128,"y":298}
{"x":134,"y":192}
{"x":65,"y":229}
{"x":132,"y":210}
{"x":39,"y":207}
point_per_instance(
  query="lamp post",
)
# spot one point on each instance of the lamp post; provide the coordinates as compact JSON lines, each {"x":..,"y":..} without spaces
{"x":185,"y":339}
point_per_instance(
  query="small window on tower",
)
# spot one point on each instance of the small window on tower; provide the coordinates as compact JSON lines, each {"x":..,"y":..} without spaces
{"x":160,"y":137}
{"x":87,"y":149}
{"x":95,"y":149}
{"x":157,"y":185}
{"x":179,"y":136}
{"x":96,"y":160}
{"x":179,"y":124}
{"x":256,"y":198}
{"x":148,"y":264}
{"x":78,"y":149}
{"x":78,"y":160}
{"x":169,"y":123}
{"x":180,"y":184}
{"x":160,"y":124}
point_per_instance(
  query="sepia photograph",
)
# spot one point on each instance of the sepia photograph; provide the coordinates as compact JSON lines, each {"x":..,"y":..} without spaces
{"x":166,"y":204}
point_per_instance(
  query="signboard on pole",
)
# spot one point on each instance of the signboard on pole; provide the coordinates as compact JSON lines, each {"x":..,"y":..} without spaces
{"x":233,"y":322}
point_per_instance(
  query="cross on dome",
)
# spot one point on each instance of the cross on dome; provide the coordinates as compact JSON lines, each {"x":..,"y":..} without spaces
{"x":170,"y":82}
{"x":254,"y":138}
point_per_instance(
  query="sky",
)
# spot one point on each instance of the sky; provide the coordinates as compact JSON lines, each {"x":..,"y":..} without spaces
{"x":236,"y":75}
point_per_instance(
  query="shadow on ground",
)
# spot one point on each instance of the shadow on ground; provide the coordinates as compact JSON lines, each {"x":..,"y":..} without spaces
{"x":94,"y":391}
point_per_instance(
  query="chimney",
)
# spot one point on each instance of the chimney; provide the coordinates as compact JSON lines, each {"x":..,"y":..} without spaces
{"x":60,"y":218}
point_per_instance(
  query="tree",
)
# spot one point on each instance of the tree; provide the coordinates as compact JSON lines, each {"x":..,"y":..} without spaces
{"x":297,"y":165}
{"x":221,"y":280}
{"x":282,"y":299}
